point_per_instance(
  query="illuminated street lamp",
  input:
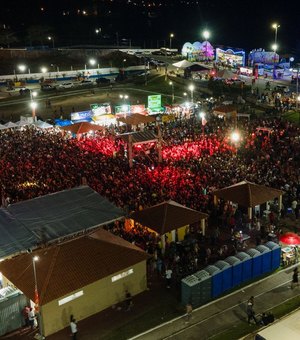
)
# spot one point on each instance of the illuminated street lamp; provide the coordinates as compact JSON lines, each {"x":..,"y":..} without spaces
{"x":92,"y":62}
{"x":52,"y":39}
{"x":192,"y":88}
{"x":172,"y":85}
{"x":98,"y":30}
{"x":206,"y":35}
{"x":44,"y":69}
{"x":23,"y":68}
{"x":124,"y":61}
{"x":275,"y":26}
{"x":171,"y":37}
{"x":124,"y":96}
{"x":36,"y":297}
{"x":235,"y":138}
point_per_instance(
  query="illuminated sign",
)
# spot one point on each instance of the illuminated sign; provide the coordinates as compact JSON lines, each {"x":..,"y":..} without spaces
{"x":230,"y":57}
{"x":101,"y":109}
{"x":122,"y":109}
{"x":137,"y":109}
{"x":83,"y":115}
{"x":122,"y":275}
{"x":154,"y":101}
{"x":70,"y":298}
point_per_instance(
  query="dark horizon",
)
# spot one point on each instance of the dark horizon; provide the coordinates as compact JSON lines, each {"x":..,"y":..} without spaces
{"x":247,"y":25}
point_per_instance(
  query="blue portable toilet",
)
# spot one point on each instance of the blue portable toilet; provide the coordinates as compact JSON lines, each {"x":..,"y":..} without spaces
{"x":246,"y":265}
{"x":236,"y":270}
{"x":276,"y":254}
{"x":190,"y":290}
{"x":256,"y":262}
{"x":226,"y":271}
{"x":266,"y":254}
{"x":204,"y":287}
{"x":216,"y":280}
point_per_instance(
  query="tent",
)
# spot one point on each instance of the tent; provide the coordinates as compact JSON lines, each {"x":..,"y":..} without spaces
{"x":2,"y":127}
{"x":10,"y":125}
{"x":225,"y":74}
{"x":21,"y":123}
{"x":226,"y":111}
{"x":291,"y":239}
{"x":183,"y":64}
{"x":167,"y":216}
{"x":43,"y":125}
{"x":136,"y":119}
{"x":82,"y":127}
{"x":248,"y":194}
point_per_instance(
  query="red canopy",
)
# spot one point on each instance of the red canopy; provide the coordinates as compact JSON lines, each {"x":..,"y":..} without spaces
{"x":290,"y":239}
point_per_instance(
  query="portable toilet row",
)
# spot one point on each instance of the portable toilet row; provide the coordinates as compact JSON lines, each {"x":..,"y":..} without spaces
{"x":196,"y":288}
{"x":215,"y":279}
{"x":275,"y":254}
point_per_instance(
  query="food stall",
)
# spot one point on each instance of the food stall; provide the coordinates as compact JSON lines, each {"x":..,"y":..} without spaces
{"x":289,"y":248}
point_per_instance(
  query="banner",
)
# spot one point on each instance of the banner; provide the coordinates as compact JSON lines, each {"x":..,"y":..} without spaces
{"x":138,"y":109}
{"x":154,"y":101}
{"x":101,"y":109}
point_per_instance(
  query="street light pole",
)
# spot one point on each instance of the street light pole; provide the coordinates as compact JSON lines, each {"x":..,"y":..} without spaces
{"x":206,"y":35}
{"x":171,"y":36}
{"x":36,"y":297}
{"x":275,"y":26}
{"x":172,"y":84}
{"x":33,"y":104}
{"x":51,"y":38}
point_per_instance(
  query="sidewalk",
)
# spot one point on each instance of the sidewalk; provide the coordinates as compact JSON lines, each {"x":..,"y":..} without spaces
{"x":225,"y":312}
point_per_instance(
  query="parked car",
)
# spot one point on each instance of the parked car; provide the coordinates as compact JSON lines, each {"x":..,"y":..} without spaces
{"x":48,"y":87}
{"x":86,"y":82}
{"x":103,"y":81}
{"x":66,"y":85}
{"x":23,"y":91}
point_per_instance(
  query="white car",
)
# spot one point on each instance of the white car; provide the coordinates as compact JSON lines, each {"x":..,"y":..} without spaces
{"x":87,"y":82}
{"x":67,"y":85}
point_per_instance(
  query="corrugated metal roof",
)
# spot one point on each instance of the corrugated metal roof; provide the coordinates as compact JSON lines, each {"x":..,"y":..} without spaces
{"x":139,"y":137}
{"x":69,"y":266}
{"x":31,"y":223}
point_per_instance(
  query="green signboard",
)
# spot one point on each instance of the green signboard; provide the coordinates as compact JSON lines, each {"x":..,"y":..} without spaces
{"x":154,"y":101}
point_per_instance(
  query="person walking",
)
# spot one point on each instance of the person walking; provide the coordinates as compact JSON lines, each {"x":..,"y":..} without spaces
{"x":169,"y":273}
{"x":128,"y":301}
{"x":250,"y":310}
{"x":295,"y":281}
{"x":73,"y":326}
{"x":189,"y":311}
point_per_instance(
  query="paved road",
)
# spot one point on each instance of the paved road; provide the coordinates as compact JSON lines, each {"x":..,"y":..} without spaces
{"x":226,"y":312}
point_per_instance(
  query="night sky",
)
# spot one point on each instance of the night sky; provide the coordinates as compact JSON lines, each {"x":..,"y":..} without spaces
{"x":245,"y":24}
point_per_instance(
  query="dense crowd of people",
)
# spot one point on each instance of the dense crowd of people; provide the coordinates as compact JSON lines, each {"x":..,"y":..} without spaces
{"x":35,"y":162}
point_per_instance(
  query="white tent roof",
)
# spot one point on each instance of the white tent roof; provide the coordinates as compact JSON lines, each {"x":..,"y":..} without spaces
{"x":43,"y":125}
{"x":22,"y":123}
{"x":183,"y":64}
{"x":10,"y":125}
{"x":2,"y":127}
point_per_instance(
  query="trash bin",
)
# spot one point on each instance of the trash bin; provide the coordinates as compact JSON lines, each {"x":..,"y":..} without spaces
{"x":204,"y":286}
{"x":246,"y":265}
{"x":266,"y":254}
{"x":236,"y":270}
{"x":216,"y":280}
{"x":276,"y":254}
{"x":256,"y":262}
{"x":226,"y":270}
{"x":190,"y":290}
